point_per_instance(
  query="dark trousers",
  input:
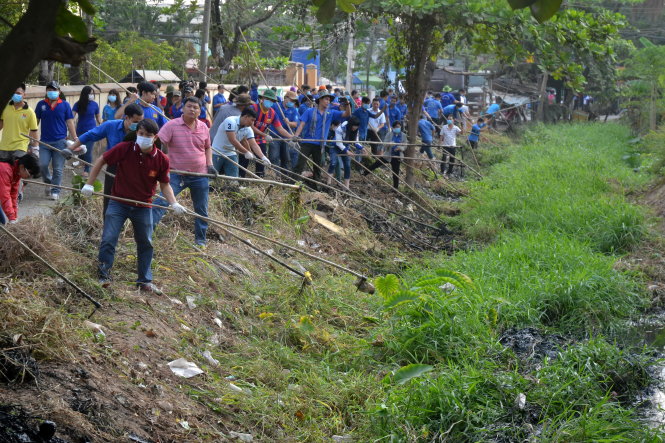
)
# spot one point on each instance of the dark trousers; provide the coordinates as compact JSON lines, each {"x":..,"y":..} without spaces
{"x":448,"y":150}
{"x":313,"y":152}
{"x":395,"y":163}
{"x":258,"y":167}
{"x":474,"y":145}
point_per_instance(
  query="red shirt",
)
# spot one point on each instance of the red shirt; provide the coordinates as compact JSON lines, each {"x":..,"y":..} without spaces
{"x":9,"y":180}
{"x":263,"y":120}
{"x":137,"y":173}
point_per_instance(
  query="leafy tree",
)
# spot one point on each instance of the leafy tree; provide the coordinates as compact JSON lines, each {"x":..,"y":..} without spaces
{"x":112,"y":61}
{"x":145,"y":53}
{"x":646,"y":68}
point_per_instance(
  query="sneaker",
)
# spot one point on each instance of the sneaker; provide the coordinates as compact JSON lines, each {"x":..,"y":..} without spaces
{"x":55,"y":196}
{"x":150,"y":287}
{"x":104,"y":282}
{"x":13,"y":222}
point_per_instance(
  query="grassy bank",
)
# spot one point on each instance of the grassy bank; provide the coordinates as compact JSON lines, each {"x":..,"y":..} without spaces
{"x":550,"y":222}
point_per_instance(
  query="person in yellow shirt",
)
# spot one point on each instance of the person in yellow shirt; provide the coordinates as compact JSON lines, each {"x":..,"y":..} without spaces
{"x":16,"y":119}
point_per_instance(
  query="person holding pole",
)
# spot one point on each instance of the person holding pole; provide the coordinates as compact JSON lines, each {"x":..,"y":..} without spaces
{"x":140,"y":166}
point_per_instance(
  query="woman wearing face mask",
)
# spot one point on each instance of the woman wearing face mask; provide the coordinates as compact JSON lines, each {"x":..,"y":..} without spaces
{"x":112,"y":105}
{"x":139,"y":167}
{"x":86,"y":113}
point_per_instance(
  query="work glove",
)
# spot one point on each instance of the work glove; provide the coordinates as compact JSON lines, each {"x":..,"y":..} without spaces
{"x":265,"y":161}
{"x":401,"y":148}
{"x":87,"y":190}
{"x":34,"y":150}
{"x":212,"y":170}
{"x":249,"y":156}
{"x":178,"y":208}
{"x":66,"y":153}
{"x":268,"y":138}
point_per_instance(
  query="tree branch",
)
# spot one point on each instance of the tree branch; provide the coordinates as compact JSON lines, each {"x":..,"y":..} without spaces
{"x":264,"y":17}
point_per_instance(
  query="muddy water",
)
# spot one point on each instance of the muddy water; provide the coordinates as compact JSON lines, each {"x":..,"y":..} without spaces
{"x":650,"y":332}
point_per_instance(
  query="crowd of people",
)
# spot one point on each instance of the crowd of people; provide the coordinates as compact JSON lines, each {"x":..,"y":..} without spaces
{"x":184,"y":138}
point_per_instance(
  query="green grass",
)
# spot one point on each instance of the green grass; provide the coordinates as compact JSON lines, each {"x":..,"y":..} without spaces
{"x":548,"y":222}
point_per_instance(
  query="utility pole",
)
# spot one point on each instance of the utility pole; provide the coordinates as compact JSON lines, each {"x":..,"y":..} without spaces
{"x":203,"y":64}
{"x":350,"y":56}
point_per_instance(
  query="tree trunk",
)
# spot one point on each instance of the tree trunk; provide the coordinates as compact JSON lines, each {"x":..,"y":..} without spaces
{"x":74,"y":73}
{"x":27,"y":43}
{"x":542,"y":99}
{"x":216,"y":32}
{"x":417,"y":78}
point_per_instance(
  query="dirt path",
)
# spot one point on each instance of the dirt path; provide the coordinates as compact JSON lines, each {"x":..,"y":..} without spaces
{"x":35,"y":202}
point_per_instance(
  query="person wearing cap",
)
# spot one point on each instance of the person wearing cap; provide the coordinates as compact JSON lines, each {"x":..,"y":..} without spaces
{"x":148,"y":94}
{"x":186,"y":140}
{"x":218,"y":100}
{"x":175,"y":110}
{"x":239,"y":102}
{"x":169,"y":100}
{"x":279,"y":152}
{"x":447,"y":97}
{"x":314,"y":127}
{"x":56,"y":118}
{"x":235,"y":137}
{"x":265,"y":117}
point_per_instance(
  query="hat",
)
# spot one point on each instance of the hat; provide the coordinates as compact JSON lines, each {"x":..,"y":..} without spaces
{"x":243,"y":99}
{"x":187,"y":90}
{"x":447,"y":88}
{"x":269,"y":94}
{"x":293,"y":88}
{"x":322,"y":88}
{"x":169,"y":88}
{"x":53,"y":84}
{"x":324,"y":95}
{"x":292,"y":95}
{"x":177,"y":93}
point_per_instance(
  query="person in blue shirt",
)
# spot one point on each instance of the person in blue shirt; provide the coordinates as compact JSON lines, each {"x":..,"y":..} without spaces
{"x":304,"y":92}
{"x":86,"y":111}
{"x":426,"y":130}
{"x":218,"y":100}
{"x":203,"y":116}
{"x":492,"y":110}
{"x":254,"y":92}
{"x":56,"y":118}
{"x":394,"y":114}
{"x":114,"y":131}
{"x":315,"y":125}
{"x":453,"y":111}
{"x":364,"y":113}
{"x":395,"y":154}
{"x":340,"y":152}
{"x":447,"y":97}
{"x":148,"y":93}
{"x":401,"y":105}
{"x":474,"y":135}
{"x":434,"y":109}
{"x":113,"y":104}
{"x":305,"y":104}
{"x":175,"y":110}
{"x":279,"y":151}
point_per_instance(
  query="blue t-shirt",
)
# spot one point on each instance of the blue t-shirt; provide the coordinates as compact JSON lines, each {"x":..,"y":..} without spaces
{"x":217,"y":101}
{"x":176,"y":111}
{"x":318,"y":131}
{"x":432,"y":106}
{"x":54,"y":126}
{"x":494,"y":107}
{"x":425,"y":127}
{"x":394,"y":114}
{"x":447,"y":99}
{"x":402,"y":108}
{"x":204,"y":112}
{"x":475,"y":132}
{"x":153,"y":113}
{"x":364,"y":116}
{"x":108,"y":113}
{"x":87,"y":120}
{"x":397,"y":138}
{"x":451,"y":110}
{"x":254,"y":95}
{"x":290,"y":113}
{"x":112,"y":130}
{"x":302,"y":109}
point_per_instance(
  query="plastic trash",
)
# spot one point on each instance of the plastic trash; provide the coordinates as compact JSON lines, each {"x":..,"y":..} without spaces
{"x":184,"y":368}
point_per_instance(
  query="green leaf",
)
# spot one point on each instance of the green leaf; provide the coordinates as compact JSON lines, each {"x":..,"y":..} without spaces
{"x":542,"y":10}
{"x":400,"y":298}
{"x":318,"y":3}
{"x":646,"y":42}
{"x":387,"y":286}
{"x":67,"y":23}
{"x":406,"y":373}
{"x":462,"y":280}
{"x":519,"y":4}
{"x":346,"y":6}
{"x":86,"y":6}
{"x":98,"y":186}
{"x":305,"y":324}
{"x":326,"y":11}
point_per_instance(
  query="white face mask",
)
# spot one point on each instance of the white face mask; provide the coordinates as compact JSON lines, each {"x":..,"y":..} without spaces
{"x":91,"y":97}
{"x":145,"y":143}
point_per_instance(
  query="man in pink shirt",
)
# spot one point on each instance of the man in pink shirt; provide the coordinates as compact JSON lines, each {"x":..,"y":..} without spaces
{"x":186,"y":140}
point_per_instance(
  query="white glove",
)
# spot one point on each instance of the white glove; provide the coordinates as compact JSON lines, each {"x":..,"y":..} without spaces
{"x":66,"y":153}
{"x":178,"y":208}
{"x":34,"y":150}
{"x":249,"y":156}
{"x":87,"y":190}
{"x":268,"y":138}
{"x":401,"y":148}
{"x":82,"y":150}
{"x":265,"y":161}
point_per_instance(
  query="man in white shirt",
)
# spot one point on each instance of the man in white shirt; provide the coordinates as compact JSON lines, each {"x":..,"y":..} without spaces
{"x":448,"y":138}
{"x":235,"y":136}
{"x":376,"y":128}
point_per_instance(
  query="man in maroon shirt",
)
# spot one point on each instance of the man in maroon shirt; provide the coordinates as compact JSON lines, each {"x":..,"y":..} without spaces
{"x":140,"y":165}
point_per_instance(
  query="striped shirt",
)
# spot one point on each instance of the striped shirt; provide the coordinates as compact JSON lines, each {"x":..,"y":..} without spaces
{"x":186,"y":147}
{"x":263,"y":120}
